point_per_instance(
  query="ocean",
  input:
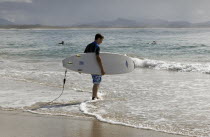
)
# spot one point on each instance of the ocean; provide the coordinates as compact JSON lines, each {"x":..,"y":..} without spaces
{"x":169,"y":90}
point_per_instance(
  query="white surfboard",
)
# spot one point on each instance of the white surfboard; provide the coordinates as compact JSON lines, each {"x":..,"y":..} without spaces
{"x":87,"y":63}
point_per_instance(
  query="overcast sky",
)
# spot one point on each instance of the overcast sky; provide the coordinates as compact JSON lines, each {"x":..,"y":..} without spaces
{"x":68,"y":12}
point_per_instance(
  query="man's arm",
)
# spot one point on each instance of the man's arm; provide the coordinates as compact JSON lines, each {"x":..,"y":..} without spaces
{"x":98,"y":58}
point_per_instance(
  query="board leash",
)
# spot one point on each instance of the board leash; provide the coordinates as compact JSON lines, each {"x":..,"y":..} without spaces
{"x":64,"y":82}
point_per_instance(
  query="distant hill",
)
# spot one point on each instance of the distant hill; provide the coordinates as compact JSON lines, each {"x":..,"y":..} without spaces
{"x":5,"y":22}
{"x":118,"y":23}
{"x":35,"y":26}
{"x":146,"y":23}
{"x":203,"y":24}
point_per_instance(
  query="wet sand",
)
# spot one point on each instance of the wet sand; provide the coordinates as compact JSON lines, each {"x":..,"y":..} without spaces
{"x":24,"y":124}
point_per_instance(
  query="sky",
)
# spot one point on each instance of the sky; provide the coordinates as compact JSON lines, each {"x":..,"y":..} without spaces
{"x":70,"y":12}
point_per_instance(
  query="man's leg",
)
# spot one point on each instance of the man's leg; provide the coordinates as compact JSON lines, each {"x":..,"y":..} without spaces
{"x":96,"y":83}
{"x":95,"y":91}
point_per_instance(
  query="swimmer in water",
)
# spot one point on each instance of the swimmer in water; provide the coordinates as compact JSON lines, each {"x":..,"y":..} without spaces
{"x":154,"y":43}
{"x":62,"y":43}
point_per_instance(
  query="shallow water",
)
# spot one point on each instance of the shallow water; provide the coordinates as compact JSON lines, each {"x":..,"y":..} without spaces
{"x":168,"y":91}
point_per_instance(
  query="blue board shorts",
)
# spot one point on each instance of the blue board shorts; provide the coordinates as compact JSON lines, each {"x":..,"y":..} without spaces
{"x":96,"y":79}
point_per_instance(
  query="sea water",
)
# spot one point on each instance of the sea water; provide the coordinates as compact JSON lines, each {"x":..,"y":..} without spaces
{"x":168,"y":91}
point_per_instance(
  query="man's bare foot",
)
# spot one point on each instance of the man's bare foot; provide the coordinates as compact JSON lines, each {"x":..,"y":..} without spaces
{"x":94,"y":98}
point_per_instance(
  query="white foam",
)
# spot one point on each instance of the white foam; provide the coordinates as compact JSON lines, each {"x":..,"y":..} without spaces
{"x":172,"y":66}
{"x":84,"y":109}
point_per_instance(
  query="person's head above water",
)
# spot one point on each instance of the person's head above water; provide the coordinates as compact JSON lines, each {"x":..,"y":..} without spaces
{"x":154,"y":42}
{"x":99,"y":38}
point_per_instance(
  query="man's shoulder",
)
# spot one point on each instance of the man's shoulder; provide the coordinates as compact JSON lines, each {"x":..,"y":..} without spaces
{"x":91,"y":44}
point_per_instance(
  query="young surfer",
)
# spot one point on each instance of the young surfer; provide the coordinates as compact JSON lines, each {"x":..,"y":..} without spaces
{"x":94,"y":48}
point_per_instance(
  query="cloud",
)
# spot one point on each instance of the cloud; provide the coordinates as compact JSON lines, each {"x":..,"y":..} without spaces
{"x":26,"y":1}
{"x":68,"y":12}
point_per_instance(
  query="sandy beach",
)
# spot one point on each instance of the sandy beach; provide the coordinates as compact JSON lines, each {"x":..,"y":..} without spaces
{"x":24,"y":124}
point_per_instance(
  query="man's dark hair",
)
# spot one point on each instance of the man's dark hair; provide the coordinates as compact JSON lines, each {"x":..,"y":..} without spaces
{"x":97,"y":36}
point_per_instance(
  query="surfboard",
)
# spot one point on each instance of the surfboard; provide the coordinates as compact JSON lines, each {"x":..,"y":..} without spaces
{"x":86,"y":63}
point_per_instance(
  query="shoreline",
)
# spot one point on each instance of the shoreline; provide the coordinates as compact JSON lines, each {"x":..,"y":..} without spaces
{"x":25,"y":124}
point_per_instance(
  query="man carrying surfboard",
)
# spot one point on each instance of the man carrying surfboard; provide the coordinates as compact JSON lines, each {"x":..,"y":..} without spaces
{"x":94,"y":48}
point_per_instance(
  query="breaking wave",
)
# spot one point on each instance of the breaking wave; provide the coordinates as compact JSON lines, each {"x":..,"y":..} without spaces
{"x":172,"y":66}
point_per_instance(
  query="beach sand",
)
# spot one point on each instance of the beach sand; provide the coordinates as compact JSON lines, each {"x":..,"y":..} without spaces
{"x":24,"y":124}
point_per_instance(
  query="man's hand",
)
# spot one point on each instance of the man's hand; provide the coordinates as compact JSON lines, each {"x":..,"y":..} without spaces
{"x":100,"y":64}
